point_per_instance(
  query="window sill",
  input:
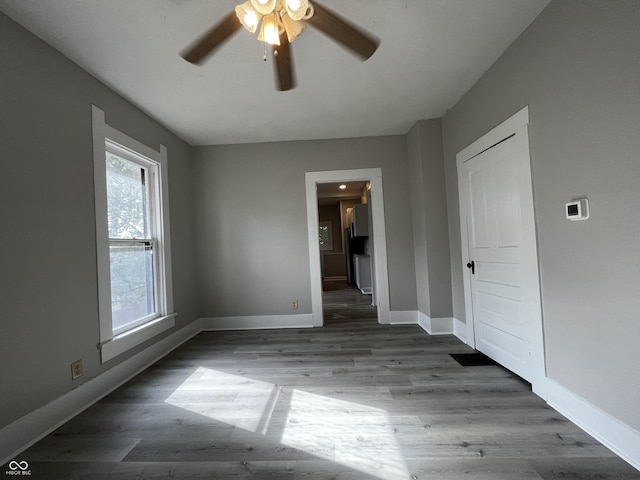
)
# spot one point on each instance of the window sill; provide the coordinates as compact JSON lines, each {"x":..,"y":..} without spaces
{"x":127,"y":340}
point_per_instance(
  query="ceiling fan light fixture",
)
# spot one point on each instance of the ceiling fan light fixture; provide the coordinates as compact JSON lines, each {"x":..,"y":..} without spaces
{"x":248,"y":16}
{"x":297,"y":9}
{"x":292,"y":27}
{"x":275,"y":18}
{"x":270,"y":31}
{"x":264,"y":7}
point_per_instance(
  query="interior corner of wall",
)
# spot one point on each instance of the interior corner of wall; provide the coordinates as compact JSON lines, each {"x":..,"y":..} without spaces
{"x":460,"y":330}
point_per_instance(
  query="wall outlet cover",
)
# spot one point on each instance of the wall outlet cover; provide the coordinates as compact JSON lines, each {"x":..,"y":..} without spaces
{"x":76,"y":369}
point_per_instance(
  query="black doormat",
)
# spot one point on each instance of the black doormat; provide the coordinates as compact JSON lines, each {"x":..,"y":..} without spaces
{"x":472,"y":359}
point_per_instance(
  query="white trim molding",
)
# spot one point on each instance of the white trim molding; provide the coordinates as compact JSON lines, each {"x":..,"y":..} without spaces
{"x":102,"y":133}
{"x":611,"y":432}
{"x":380,"y":269}
{"x":495,"y":135}
{"x":129,"y":339}
{"x":258,"y":322}
{"x":403,"y":317}
{"x":461,"y":331}
{"x":435,"y":326}
{"x":24,"y":432}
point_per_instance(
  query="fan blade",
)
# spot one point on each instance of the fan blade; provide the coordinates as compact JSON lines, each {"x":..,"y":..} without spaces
{"x":343,"y":32}
{"x":212,"y":39}
{"x":284,"y":64}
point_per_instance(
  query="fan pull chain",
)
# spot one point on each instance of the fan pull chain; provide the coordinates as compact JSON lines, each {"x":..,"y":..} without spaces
{"x":264,"y":56}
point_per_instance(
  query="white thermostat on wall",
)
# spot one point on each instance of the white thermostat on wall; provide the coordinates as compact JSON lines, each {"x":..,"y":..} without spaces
{"x":577,"y":209}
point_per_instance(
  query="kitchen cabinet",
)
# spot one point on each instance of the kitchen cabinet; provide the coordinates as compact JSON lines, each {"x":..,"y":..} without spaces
{"x":360,"y":220}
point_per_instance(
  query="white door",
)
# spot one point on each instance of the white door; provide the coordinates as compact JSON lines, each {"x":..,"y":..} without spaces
{"x":501,"y":256}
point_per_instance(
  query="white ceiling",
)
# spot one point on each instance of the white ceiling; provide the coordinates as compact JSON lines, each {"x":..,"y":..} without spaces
{"x":431,"y":53}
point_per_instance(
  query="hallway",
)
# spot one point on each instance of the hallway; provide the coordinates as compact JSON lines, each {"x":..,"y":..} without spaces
{"x":341,"y":301}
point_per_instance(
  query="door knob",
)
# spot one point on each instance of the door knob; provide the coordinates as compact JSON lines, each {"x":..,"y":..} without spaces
{"x":472,"y":266}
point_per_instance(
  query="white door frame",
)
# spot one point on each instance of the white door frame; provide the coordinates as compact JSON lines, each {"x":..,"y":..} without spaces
{"x":381,"y":277}
{"x":515,"y":125}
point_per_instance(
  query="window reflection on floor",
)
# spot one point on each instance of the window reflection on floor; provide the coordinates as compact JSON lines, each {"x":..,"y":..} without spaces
{"x":238,"y":401}
{"x":354,"y":435}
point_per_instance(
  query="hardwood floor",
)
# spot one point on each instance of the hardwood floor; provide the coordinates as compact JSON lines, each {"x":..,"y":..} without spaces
{"x":351,"y":400}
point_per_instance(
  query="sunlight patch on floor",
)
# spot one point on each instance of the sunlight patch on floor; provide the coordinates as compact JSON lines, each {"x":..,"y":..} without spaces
{"x":358,"y":436}
{"x":354,"y":435}
{"x":238,"y":401}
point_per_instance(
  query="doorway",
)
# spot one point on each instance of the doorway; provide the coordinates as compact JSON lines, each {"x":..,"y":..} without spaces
{"x":346,"y":243}
{"x":499,"y":250}
{"x":379,"y":275}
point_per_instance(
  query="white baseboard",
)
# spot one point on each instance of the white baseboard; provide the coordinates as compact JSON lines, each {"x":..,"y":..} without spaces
{"x":435,"y":326}
{"x":424,"y":321}
{"x":403,"y":317}
{"x":258,"y":322}
{"x":460,"y":330}
{"x":24,"y":432}
{"x":621,"y":439}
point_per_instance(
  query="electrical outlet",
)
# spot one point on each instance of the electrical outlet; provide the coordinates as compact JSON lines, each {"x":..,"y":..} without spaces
{"x":76,"y":369}
{"x":294,"y":304}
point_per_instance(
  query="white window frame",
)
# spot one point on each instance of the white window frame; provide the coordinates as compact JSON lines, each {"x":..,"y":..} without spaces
{"x":154,"y":222}
{"x":110,"y":345}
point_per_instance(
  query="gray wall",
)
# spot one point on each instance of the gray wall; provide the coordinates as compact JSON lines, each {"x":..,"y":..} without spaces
{"x":253,"y":252}
{"x":48,"y":286}
{"x":418,"y":221}
{"x":429,"y":218}
{"x":578,"y":68}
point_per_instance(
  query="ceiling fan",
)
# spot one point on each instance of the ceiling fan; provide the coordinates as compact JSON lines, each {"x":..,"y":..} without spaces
{"x":279,"y":22}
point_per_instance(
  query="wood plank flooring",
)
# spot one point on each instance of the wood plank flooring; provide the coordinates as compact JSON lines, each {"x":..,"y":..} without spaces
{"x":351,"y":400}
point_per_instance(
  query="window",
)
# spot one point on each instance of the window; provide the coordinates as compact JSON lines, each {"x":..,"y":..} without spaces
{"x":135,"y":301}
{"x":326,"y":236}
{"x":133,"y":238}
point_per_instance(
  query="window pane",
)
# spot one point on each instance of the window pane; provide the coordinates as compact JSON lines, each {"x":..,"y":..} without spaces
{"x":324,"y":236}
{"x":127,"y":203}
{"x":132,"y":286}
